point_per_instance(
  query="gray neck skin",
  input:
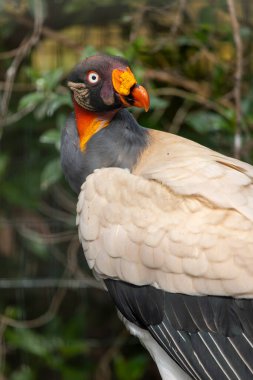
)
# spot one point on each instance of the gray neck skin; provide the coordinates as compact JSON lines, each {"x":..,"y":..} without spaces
{"x":118,"y":145}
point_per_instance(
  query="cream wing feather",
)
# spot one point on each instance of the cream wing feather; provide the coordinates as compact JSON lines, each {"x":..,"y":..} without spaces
{"x":189,"y":168}
{"x":182,"y":221}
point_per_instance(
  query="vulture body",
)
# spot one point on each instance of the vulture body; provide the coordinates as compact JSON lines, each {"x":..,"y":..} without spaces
{"x":166,"y":224}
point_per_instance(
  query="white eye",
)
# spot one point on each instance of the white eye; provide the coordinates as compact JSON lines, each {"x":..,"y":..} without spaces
{"x":93,"y":77}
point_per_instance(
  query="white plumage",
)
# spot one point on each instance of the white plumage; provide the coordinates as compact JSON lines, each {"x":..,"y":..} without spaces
{"x":182,"y":221}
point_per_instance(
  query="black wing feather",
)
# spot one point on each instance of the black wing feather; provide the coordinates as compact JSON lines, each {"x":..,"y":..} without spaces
{"x":142,"y":305}
{"x":210,"y":337}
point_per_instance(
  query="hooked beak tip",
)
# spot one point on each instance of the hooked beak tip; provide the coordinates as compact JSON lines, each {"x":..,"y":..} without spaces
{"x":141,"y":97}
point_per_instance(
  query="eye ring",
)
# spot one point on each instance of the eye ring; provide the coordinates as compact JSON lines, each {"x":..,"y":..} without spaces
{"x":93,"y":77}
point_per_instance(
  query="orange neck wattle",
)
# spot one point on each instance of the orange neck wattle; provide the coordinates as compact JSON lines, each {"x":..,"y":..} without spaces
{"x":89,"y":123}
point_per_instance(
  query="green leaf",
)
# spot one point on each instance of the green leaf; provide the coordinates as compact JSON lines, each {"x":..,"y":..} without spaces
{"x":24,"y":373}
{"x":52,"y":78}
{"x":58,"y":101}
{"x":206,"y":122}
{"x":52,"y":136}
{"x":51,"y":174}
{"x":73,"y":373}
{"x":73,"y":348}
{"x":22,"y":189}
{"x":34,"y":242}
{"x":49,"y":80}
{"x":88,"y":51}
{"x":4,"y":159}
{"x":32,"y":342}
{"x":131,"y":369}
{"x":41,"y":111}
{"x":158,"y":103}
{"x":32,"y":99}
{"x":246,"y":32}
{"x":188,"y":41}
{"x":13,"y":312}
{"x":114,"y":51}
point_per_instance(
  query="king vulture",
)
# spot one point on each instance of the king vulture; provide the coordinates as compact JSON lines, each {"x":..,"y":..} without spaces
{"x":166,"y":224}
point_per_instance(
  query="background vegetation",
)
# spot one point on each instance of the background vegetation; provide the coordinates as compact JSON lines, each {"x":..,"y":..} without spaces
{"x":195,"y":57}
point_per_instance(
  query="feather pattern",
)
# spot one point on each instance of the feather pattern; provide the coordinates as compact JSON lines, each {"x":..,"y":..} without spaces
{"x":171,"y":236}
{"x":180,"y":222}
{"x":192,"y":329}
{"x":188,"y":168}
{"x":182,"y":244}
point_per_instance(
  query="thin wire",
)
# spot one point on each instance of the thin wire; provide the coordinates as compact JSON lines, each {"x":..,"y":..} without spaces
{"x":41,"y":283}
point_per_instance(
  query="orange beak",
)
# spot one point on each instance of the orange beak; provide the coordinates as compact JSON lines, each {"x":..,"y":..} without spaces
{"x":130,"y":93}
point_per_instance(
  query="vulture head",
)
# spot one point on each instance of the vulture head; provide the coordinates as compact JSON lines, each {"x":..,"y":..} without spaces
{"x":103,"y":83}
{"x":101,"y":132}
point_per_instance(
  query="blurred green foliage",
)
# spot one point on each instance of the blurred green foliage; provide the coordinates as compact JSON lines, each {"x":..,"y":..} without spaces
{"x":186,"y":58}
